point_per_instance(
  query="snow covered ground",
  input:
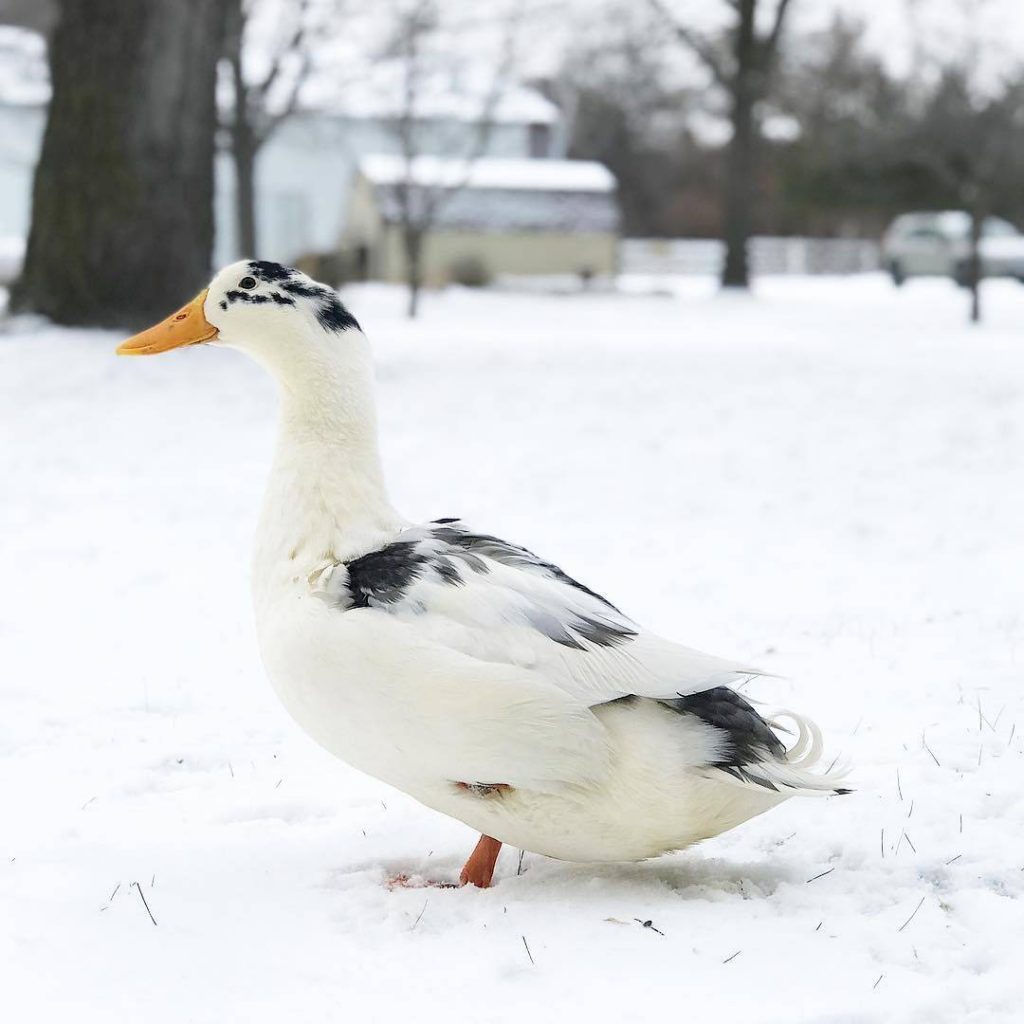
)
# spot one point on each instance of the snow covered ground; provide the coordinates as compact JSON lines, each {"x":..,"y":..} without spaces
{"x":824,"y":479}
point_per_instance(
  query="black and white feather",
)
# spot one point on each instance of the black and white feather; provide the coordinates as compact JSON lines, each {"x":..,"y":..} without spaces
{"x":272,"y":284}
{"x":500,"y":603}
{"x":462,"y":669}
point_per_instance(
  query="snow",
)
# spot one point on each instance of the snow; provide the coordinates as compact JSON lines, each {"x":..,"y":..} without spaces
{"x":12,"y":255}
{"x":824,"y":478}
{"x":24,"y":75}
{"x":455,"y":94}
{"x":511,"y":210}
{"x":489,"y":173}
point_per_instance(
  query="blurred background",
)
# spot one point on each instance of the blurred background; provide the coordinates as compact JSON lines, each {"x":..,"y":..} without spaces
{"x":716,"y":304}
{"x":538,"y":144}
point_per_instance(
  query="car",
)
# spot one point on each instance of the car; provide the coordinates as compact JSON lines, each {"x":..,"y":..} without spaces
{"x":938,"y":244}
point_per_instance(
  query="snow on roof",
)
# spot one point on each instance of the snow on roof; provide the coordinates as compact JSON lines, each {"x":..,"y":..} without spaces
{"x":24,"y":75}
{"x":490,"y":173}
{"x":380,"y":95}
{"x":501,"y":195}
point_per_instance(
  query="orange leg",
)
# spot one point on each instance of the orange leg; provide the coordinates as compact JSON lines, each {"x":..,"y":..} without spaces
{"x":479,"y":869}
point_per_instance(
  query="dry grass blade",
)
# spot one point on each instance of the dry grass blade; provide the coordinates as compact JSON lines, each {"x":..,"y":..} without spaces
{"x":912,"y":916}
{"x":142,"y":896}
{"x":419,"y":916}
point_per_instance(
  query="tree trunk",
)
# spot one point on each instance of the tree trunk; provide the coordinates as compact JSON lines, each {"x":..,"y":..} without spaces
{"x":974,"y":268}
{"x":244,"y":145}
{"x":122,"y":204}
{"x":740,"y":171}
{"x":244,"y":153}
{"x":413,"y":241}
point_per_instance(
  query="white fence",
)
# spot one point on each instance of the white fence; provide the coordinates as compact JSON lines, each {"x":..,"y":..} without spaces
{"x":768,"y":255}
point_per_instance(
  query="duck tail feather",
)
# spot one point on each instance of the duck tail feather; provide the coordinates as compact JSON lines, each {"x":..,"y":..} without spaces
{"x":799,"y":768}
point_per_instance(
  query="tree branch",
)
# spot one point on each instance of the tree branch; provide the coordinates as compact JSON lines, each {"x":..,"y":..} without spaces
{"x":433,"y":197}
{"x":704,"y":48}
{"x":295,"y":44}
{"x":264,"y":123}
{"x":484,"y":124}
{"x":771,"y":42}
{"x":291,"y":103}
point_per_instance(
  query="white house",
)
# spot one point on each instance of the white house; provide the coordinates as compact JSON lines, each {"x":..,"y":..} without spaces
{"x":494,"y":216}
{"x":24,"y":92}
{"x":306,"y":170}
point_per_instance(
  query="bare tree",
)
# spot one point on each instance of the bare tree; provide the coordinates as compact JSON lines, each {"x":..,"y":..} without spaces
{"x":962,"y":139}
{"x":971,"y":145}
{"x":261,"y":103}
{"x":122,"y":202}
{"x":835,"y":174}
{"x":620,"y":106}
{"x":420,"y":201}
{"x":741,"y":62}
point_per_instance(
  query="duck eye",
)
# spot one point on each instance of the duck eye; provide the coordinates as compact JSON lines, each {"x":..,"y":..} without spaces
{"x":247,"y":282}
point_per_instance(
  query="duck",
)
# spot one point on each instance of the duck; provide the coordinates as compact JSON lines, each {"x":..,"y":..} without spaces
{"x":458,"y":667}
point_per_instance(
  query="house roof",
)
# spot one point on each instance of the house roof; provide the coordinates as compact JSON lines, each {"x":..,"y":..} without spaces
{"x":500,"y":195}
{"x":489,"y":173}
{"x":380,"y":95}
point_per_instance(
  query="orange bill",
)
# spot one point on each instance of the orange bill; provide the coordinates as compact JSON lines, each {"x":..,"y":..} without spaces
{"x":188,"y":326}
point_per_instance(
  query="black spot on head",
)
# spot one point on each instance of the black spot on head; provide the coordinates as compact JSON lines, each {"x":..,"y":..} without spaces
{"x":223,"y":303}
{"x":307,"y":291}
{"x":333,"y":315}
{"x":255,"y":300}
{"x":330,"y":312}
{"x":382,"y":577}
{"x":270,"y":272}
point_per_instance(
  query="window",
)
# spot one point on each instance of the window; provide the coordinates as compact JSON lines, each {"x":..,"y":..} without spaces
{"x":540,"y":140}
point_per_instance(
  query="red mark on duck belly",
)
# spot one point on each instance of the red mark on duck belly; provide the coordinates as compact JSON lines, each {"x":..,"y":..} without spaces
{"x":484,"y":789}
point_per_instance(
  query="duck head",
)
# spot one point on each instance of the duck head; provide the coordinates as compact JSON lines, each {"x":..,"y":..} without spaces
{"x":327,"y":461}
{"x":276,"y":314}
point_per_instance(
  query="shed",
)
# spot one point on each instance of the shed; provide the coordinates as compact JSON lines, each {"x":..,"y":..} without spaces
{"x":493,"y":217}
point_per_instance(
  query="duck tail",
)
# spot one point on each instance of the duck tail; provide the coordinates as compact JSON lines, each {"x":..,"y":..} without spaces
{"x":799,"y":767}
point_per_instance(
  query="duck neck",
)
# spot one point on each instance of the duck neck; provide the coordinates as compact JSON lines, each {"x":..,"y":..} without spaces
{"x":326,"y":499}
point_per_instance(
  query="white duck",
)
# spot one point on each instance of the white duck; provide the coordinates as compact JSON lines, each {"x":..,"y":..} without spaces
{"x":452,"y":665}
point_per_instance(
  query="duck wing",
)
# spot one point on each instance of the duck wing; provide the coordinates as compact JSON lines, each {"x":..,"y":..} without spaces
{"x":515,"y":654}
{"x":500,"y":603}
